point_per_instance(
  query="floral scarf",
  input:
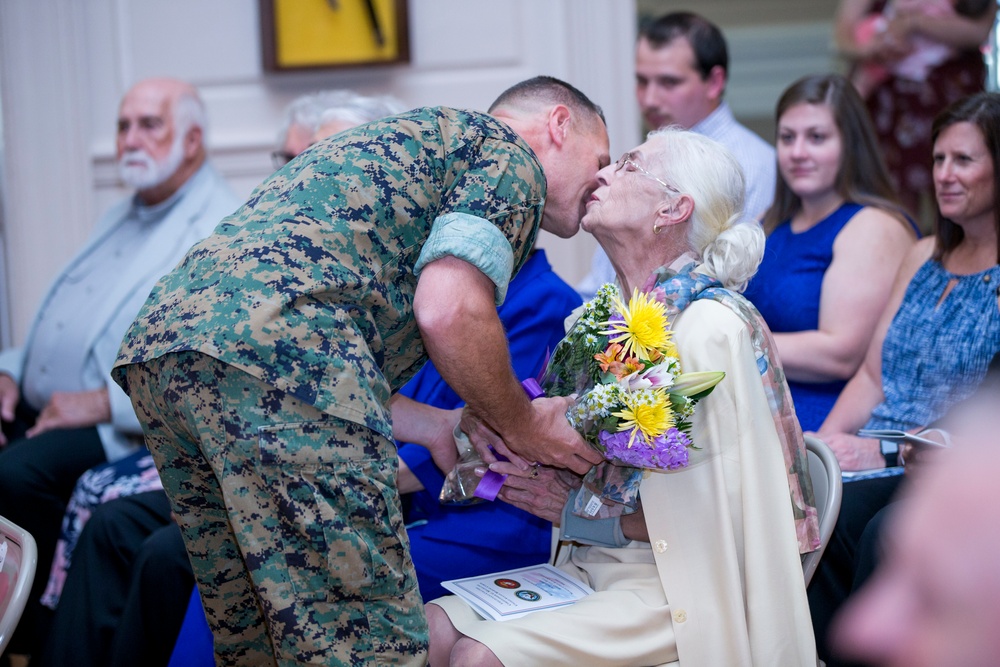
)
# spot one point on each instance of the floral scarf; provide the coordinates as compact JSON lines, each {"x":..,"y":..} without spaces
{"x":677,"y":286}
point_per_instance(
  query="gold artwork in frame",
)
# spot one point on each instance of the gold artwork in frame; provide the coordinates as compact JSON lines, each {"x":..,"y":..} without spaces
{"x":319,"y":34}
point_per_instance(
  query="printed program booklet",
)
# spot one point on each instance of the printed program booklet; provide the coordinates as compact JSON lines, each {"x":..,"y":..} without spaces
{"x":901,"y":436}
{"x":514,"y":593}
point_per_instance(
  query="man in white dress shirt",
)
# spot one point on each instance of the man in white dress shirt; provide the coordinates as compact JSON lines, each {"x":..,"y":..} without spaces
{"x":681,"y":70}
{"x":61,"y":412}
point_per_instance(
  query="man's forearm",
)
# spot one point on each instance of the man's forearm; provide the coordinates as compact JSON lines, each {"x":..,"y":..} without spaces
{"x":465,"y":338}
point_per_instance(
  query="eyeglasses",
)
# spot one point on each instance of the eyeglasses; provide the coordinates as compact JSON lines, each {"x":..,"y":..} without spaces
{"x":628,"y":160}
{"x":280,"y":158}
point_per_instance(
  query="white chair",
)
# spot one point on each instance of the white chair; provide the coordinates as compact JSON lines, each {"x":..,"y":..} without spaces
{"x":828,"y":486}
{"x":18,"y":559}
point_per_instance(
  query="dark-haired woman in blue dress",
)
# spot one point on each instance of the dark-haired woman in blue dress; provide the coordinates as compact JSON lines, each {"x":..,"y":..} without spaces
{"x":836,"y":237}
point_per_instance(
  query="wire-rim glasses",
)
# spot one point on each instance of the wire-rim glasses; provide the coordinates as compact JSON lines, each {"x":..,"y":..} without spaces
{"x":628,"y":159}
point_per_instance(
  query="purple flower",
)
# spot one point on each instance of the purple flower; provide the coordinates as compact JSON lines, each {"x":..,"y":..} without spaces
{"x":668,"y":451}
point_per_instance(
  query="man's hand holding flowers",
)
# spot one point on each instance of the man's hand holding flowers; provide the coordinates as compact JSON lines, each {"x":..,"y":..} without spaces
{"x":546,"y":413}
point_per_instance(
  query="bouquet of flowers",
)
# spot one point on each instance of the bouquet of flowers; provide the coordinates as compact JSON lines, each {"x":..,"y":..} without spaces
{"x":634,"y":402}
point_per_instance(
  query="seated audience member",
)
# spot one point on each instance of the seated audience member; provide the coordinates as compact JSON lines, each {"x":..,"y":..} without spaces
{"x":448,"y":542}
{"x":61,"y":412}
{"x":935,"y":598}
{"x":933,"y":344}
{"x":103,"y":582}
{"x":836,"y":237}
{"x":347,"y":110}
{"x":706,"y":569}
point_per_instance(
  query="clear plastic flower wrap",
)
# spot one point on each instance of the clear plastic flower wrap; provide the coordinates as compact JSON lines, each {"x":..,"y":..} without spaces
{"x":461,"y":481}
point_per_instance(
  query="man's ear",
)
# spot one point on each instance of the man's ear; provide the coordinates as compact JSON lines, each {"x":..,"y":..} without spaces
{"x":716,"y":83}
{"x":192,"y":141}
{"x":675,"y":210}
{"x":558,"y":124}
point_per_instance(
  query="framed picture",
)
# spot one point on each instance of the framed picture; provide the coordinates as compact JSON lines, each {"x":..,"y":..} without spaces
{"x":318,"y":34}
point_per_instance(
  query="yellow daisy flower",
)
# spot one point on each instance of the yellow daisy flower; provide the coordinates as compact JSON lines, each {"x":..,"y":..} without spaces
{"x":643,"y":333}
{"x":648,"y":417}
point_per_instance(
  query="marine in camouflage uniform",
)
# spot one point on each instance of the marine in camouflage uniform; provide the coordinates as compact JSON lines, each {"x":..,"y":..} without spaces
{"x":262,"y":366}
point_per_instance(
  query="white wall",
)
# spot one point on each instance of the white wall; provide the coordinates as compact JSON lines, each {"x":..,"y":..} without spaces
{"x":64,"y":65}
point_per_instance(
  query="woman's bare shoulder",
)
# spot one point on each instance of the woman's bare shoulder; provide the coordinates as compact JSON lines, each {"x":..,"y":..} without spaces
{"x":877,"y":221}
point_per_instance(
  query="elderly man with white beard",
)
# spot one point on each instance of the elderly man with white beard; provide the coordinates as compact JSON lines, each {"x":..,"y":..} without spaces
{"x":61,"y":412}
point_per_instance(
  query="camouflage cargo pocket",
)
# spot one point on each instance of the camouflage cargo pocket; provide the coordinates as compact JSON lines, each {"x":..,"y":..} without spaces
{"x":340,"y":523}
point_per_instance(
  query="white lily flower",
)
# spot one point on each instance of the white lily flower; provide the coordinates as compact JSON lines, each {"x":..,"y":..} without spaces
{"x":654,"y":376}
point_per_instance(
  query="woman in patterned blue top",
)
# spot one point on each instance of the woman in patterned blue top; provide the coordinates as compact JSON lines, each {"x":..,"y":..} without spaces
{"x":836,"y":237}
{"x":936,"y":339}
{"x":942,"y":326}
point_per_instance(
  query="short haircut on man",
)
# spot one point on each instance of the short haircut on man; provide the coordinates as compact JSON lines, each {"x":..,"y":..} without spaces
{"x":705,"y":38}
{"x":547,"y":90}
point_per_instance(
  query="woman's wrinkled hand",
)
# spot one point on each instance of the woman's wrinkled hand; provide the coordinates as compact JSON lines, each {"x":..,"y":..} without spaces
{"x":542,"y":491}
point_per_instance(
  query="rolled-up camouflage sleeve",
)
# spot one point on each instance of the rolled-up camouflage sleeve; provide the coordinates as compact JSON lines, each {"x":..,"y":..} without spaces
{"x":491,"y":209}
{"x":475,"y":240}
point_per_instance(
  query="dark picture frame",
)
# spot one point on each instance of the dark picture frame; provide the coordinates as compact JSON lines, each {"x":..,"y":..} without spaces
{"x":299,"y":35}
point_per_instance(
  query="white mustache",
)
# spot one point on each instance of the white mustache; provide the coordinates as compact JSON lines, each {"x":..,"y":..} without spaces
{"x":140,"y":170}
{"x":137,"y":157}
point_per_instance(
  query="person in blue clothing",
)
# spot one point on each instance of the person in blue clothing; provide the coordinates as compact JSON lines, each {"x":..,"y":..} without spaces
{"x":448,"y":541}
{"x":836,"y":238}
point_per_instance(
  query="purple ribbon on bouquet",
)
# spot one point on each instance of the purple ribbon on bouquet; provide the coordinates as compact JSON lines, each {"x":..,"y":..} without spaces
{"x":491,"y":483}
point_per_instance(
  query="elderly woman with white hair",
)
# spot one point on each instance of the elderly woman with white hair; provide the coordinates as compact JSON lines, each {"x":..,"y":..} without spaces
{"x":706,"y":570}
